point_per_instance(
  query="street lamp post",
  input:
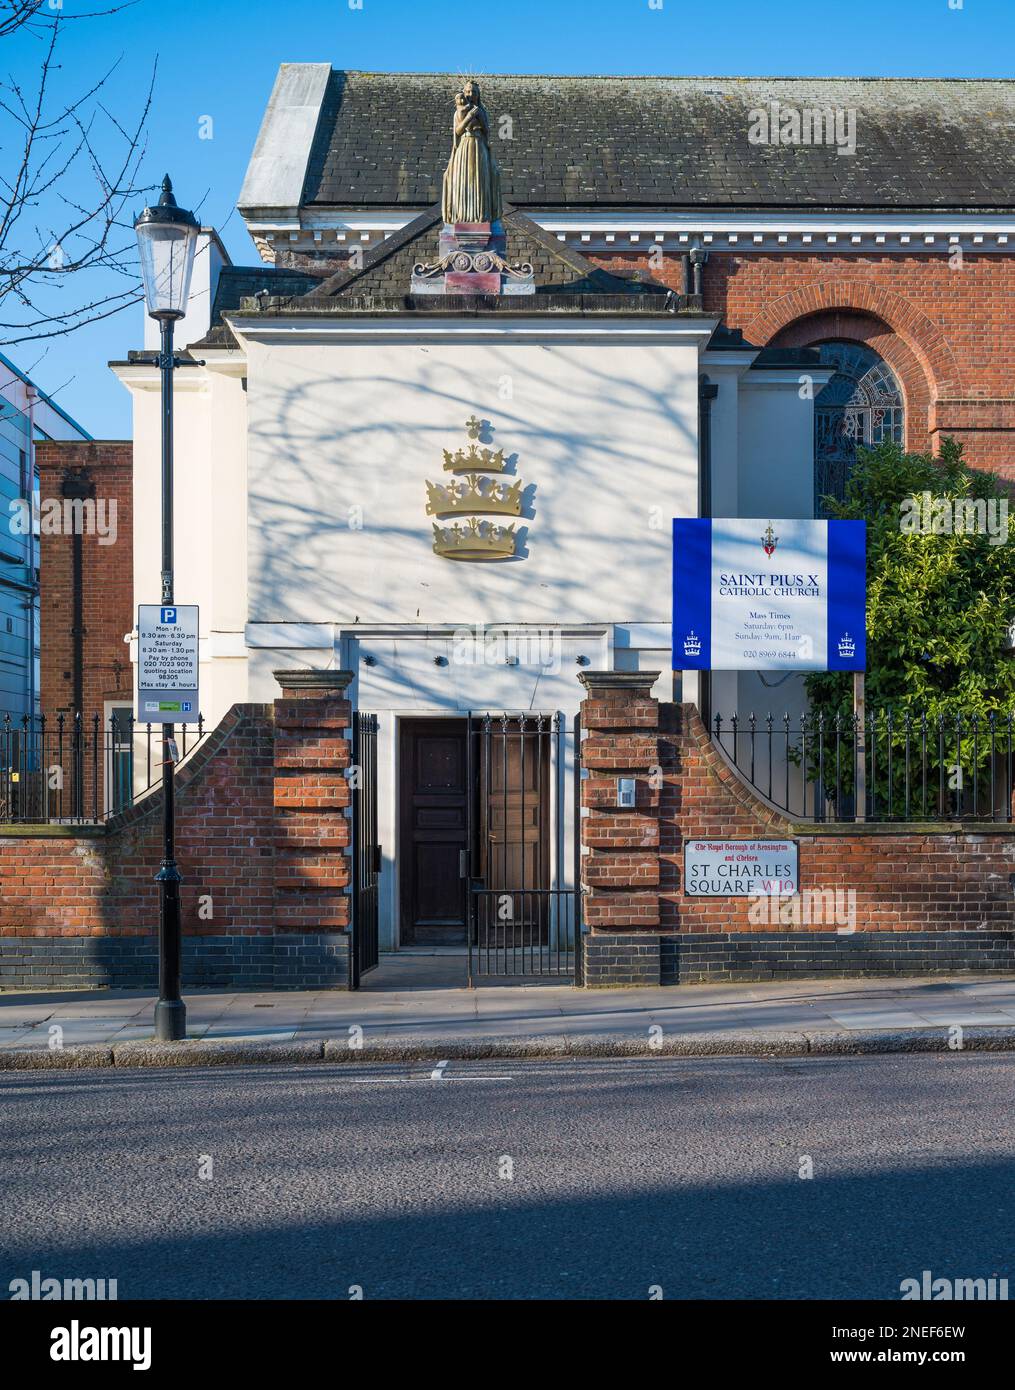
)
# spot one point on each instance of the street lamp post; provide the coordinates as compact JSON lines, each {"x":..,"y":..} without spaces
{"x":167,"y":240}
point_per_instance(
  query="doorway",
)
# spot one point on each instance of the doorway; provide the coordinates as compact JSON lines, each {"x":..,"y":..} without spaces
{"x":482,"y":863}
{"x":434,"y":818}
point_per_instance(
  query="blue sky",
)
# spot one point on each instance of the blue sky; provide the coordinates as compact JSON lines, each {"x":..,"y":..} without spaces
{"x":219,"y":59}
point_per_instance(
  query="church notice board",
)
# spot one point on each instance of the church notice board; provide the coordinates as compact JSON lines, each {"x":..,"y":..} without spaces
{"x":752,"y":594}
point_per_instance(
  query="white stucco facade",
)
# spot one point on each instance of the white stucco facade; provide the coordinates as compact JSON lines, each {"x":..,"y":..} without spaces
{"x":303,"y":450}
{"x":302,"y":458}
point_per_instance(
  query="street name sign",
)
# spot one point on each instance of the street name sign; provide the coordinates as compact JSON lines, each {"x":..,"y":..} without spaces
{"x":740,"y":868}
{"x":167,"y":663}
{"x":752,"y":594}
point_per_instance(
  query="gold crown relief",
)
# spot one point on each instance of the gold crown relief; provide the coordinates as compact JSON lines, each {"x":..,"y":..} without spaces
{"x":476,"y":540}
{"x":484,"y":459}
{"x":473,"y":495}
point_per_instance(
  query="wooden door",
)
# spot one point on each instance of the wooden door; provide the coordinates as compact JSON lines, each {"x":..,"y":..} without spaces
{"x":513,"y":822}
{"x":433,"y":800}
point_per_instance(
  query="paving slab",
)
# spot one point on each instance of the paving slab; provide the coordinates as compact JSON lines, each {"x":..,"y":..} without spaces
{"x":544,"y":1018}
{"x":880,"y":1018}
{"x":965,"y":1017}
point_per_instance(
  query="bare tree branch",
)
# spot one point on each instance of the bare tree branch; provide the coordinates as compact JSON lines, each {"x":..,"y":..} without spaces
{"x":18,"y":14}
{"x":67,"y":187}
{"x":14,"y":13}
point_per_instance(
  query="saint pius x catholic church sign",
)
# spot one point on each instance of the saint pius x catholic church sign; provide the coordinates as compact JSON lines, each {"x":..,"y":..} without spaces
{"x":751,"y":595}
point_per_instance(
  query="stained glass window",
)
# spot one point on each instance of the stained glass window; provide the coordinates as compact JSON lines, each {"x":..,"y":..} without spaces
{"x":861,"y":405}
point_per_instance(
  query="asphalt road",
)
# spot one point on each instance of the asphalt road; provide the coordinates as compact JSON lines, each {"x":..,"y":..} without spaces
{"x":625,"y":1175}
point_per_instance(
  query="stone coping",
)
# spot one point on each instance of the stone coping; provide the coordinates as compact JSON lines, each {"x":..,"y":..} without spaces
{"x":314,"y":680}
{"x":912,"y":827}
{"x":619,"y":680}
{"x":28,"y":831}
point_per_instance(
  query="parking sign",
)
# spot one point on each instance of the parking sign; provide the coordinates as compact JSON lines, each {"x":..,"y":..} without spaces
{"x":167,"y":683}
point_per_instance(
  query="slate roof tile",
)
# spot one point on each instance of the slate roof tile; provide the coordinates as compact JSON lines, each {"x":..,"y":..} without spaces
{"x":674,"y":142}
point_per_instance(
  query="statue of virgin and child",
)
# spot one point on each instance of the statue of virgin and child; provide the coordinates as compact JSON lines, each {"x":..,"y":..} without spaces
{"x":471,"y":190}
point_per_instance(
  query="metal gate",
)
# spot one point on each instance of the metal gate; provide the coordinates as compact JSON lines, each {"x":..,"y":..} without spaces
{"x":366,"y":852}
{"x":523,"y":856}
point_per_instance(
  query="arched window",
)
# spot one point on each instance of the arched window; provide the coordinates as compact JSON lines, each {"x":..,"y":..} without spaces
{"x":862,"y":404}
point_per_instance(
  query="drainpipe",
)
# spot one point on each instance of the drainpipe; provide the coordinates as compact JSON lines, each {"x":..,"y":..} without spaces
{"x":707,"y":392}
{"x":78,"y":485}
{"x":698,"y":257}
{"x":28,"y":491}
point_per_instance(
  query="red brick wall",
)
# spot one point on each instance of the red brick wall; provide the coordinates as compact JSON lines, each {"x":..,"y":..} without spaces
{"x":633,"y":867}
{"x":311,"y":796}
{"x":945,"y":331}
{"x":263,"y":840}
{"x":107,"y":581}
{"x":61,"y":881}
{"x":903,"y":881}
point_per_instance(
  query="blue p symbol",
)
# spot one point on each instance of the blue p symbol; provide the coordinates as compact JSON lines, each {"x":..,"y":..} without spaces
{"x":169,"y":615}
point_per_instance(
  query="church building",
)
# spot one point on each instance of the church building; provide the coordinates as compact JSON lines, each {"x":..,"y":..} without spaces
{"x":497,"y":335}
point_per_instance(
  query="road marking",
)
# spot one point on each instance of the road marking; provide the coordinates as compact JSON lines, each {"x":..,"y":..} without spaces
{"x":412,"y":1080}
{"x":478,"y":1078}
{"x":438,"y":1072}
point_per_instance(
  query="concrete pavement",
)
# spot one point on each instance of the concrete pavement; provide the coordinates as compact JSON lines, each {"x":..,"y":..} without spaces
{"x":415,"y":1006}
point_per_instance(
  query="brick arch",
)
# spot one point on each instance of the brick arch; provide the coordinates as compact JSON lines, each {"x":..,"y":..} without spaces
{"x":900,"y":315}
{"x":917,"y":391}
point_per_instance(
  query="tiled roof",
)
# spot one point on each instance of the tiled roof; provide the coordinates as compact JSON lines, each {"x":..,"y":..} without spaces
{"x":384,"y":139}
{"x":238,"y":282}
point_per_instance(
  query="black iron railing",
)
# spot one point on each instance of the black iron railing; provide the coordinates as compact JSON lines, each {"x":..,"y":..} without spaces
{"x":884,"y":767}
{"x":364,"y":940}
{"x":524,"y":931}
{"x":74,"y":769}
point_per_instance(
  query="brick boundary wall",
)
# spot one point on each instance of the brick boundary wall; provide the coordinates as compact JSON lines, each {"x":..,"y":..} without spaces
{"x":929,"y":898}
{"x":620,"y":847}
{"x":261,"y":836}
{"x":263,"y":845}
{"x":311,"y":828}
